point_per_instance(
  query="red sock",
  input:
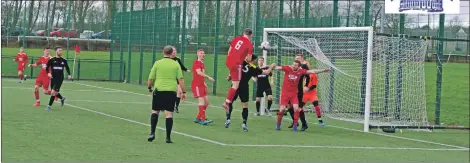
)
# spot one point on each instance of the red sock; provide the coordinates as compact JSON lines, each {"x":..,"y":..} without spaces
{"x":198,"y":116}
{"x":279,"y":117}
{"x":317,"y":111}
{"x":296,"y":117}
{"x":202,"y":111}
{"x":21,"y":77}
{"x":36,"y":95}
{"x":231,"y":93}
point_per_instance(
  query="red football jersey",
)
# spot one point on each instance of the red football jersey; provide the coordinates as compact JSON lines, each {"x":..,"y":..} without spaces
{"x":42,"y":62}
{"x":198,"y":79}
{"x":291,"y":79}
{"x":21,"y":58}
{"x":240,"y":48}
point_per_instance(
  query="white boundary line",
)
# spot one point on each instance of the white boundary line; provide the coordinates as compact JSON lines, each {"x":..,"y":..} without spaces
{"x":76,"y":90}
{"x":398,"y":137}
{"x":128,"y":120}
{"x":269,"y":145}
{"x":346,"y":147}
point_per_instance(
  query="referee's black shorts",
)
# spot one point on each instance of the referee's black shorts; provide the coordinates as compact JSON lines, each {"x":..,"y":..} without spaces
{"x":243,"y":93}
{"x":56,"y":83}
{"x":164,"y":100}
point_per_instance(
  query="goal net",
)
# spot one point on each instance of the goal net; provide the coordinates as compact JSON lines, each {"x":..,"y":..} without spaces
{"x":375,"y":80}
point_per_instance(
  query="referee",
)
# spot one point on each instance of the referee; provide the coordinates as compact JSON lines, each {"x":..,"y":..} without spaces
{"x":162,"y":77}
{"x":55,"y":71}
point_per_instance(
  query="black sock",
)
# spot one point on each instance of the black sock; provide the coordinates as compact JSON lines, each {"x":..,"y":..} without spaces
{"x":319,"y":119}
{"x":291,"y":112}
{"x":302,"y":118}
{"x":270,"y":102}
{"x":177,"y":102}
{"x":169,"y":126}
{"x":230,"y":108}
{"x":258,"y":104}
{"x":51,"y":100}
{"x":58,"y":96}
{"x":153,"y":123}
{"x":245,"y":115}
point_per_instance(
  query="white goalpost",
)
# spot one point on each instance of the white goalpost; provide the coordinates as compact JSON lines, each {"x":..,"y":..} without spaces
{"x":375,"y":80}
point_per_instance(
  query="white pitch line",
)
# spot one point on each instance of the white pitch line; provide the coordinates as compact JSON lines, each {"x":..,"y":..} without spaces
{"x":128,"y":120}
{"x":77,"y":90}
{"x":345,"y":147}
{"x":398,"y":137}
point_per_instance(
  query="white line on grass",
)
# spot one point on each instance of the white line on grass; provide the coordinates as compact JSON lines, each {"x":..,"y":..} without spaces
{"x":266,"y":145}
{"x":349,"y":129}
{"x":346,"y":147}
{"x":128,"y":120}
{"x":79,"y":90}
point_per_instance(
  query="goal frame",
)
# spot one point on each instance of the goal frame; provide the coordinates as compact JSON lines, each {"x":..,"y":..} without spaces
{"x":370,"y":37}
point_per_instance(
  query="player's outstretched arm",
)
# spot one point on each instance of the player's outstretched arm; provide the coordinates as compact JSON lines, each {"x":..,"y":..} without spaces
{"x":268,"y":71}
{"x":317,"y":71}
{"x":200,"y":73}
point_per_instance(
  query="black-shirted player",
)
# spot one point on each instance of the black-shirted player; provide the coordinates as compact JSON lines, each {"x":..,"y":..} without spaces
{"x":179,"y":92}
{"x":302,"y":84}
{"x":55,"y":70}
{"x":263,"y":85}
{"x":249,"y":70}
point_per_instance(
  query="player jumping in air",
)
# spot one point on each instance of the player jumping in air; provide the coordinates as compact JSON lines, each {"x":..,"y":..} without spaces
{"x":55,"y":71}
{"x":263,"y":84}
{"x":289,"y":90}
{"x":240,"y":49}
{"x":178,"y":92}
{"x":249,"y":70}
{"x":22,"y":59}
{"x":199,"y":87}
{"x":42,"y":79}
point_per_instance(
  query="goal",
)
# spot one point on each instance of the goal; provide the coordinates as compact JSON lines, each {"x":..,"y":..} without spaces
{"x":375,"y":80}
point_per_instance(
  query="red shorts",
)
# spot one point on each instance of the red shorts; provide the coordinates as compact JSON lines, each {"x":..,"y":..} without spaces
{"x":310,"y":96}
{"x":21,"y":66}
{"x":287,"y":98}
{"x":43,"y":81}
{"x":199,"y":91}
{"x":235,"y":72}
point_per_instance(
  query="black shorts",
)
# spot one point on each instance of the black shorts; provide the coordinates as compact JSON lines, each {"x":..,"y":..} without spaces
{"x":243,"y":93}
{"x":261,"y":90}
{"x":56,"y":83}
{"x":164,"y":100}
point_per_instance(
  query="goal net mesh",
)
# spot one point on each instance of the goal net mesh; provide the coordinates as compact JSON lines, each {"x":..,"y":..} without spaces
{"x":398,"y":87}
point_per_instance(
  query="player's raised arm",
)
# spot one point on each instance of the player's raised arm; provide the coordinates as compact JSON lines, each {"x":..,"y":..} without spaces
{"x":317,"y":71}
{"x":268,"y":71}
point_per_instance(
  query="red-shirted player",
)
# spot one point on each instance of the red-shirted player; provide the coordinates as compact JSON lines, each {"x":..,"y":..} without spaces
{"x":240,"y":49}
{"x":199,"y":87}
{"x":289,"y":90}
{"x":22,"y":60}
{"x":42,"y":79}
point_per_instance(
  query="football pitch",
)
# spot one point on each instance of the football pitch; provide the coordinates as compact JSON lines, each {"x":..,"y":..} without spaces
{"x":109,"y":122}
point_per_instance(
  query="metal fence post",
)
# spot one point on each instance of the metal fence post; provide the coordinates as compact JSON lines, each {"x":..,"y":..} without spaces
{"x":279,"y":59}
{"x":440,"y":55}
{"x":129,"y":48}
{"x":216,"y":46}
{"x":183,"y":34}
{"x":141,"y":61}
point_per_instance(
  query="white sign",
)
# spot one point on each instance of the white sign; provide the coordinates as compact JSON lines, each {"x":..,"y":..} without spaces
{"x":422,"y":6}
